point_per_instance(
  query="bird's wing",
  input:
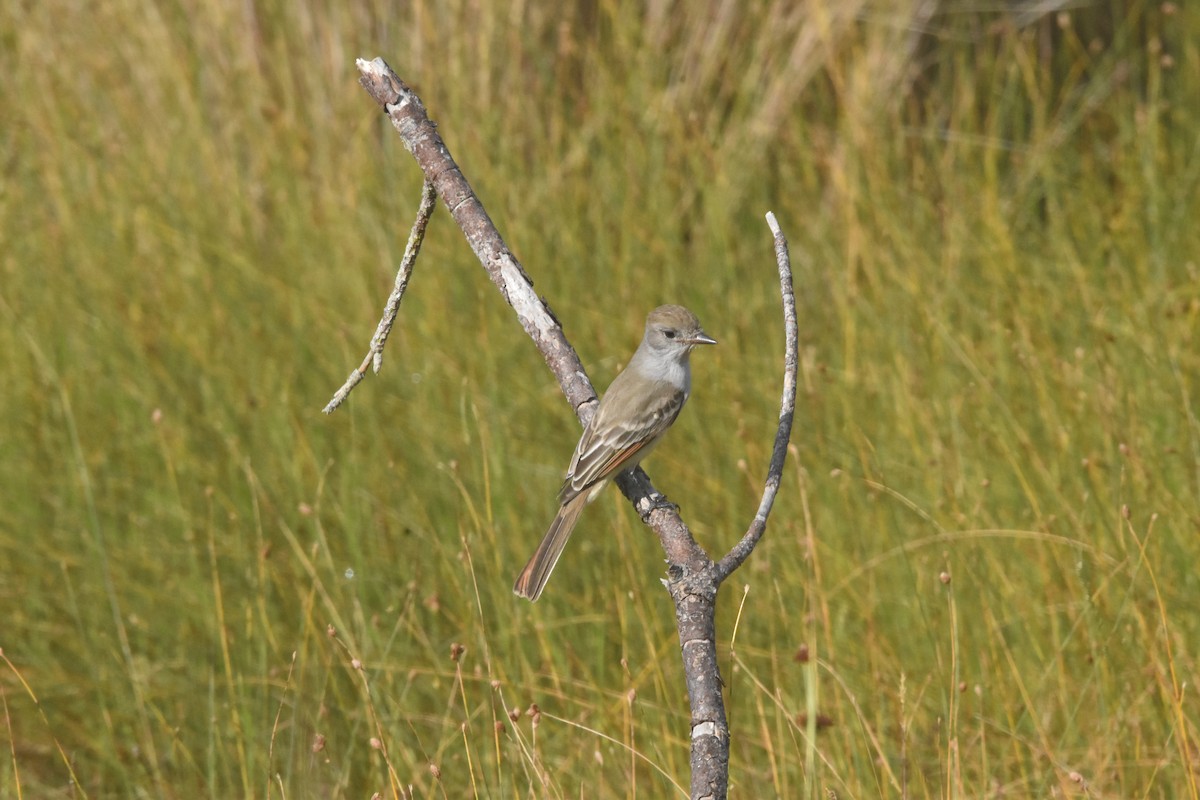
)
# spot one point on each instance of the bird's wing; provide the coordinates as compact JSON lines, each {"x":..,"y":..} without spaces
{"x":609,"y":446}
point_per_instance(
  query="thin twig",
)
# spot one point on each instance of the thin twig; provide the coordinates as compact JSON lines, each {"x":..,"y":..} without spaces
{"x":384,"y":329}
{"x":787,"y":407}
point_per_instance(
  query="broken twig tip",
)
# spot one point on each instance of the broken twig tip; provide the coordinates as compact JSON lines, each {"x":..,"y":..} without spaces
{"x":773,"y":223}
{"x":376,"y":66}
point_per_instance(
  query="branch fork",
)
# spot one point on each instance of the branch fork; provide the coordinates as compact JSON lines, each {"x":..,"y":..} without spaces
{"x":694,"y":578}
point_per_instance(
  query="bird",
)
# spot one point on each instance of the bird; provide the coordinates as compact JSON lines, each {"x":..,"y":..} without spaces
{"x":640,"y":405}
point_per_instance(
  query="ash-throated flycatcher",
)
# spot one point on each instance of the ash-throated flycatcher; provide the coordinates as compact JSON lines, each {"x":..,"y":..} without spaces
{"x":635,"y":412}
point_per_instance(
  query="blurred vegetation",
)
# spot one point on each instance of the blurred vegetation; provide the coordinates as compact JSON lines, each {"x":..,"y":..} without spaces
{"x":980,"y":577}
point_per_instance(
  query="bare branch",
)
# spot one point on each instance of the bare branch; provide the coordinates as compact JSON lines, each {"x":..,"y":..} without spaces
{"x":419,"y":134}
{"x":787,"y":407}
{"x":384,"y":329}
{"x":693,"y":577}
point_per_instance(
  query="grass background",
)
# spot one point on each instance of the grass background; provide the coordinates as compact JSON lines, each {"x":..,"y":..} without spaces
{"x":980,"y":576}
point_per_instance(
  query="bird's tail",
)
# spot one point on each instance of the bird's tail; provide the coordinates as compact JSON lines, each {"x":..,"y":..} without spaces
{"x":533,"y":578}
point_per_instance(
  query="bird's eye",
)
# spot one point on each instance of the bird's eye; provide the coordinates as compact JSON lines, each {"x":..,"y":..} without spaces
{"x":669,"y":333}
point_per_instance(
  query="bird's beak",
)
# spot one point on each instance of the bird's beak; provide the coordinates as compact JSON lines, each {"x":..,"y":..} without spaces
{"x":700,"y":338}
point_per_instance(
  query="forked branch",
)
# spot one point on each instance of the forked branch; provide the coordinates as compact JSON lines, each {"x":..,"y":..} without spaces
{"x":693,"y":577}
